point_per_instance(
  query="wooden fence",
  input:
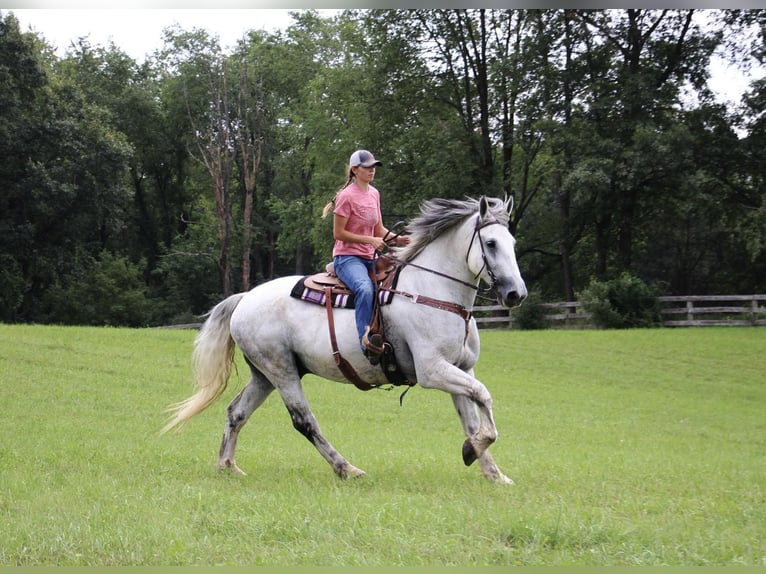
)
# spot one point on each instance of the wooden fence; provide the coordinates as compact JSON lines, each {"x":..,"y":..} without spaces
{"x":677,"y":311}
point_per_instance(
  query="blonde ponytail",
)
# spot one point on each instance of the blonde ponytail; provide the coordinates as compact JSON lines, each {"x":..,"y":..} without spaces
{"x":331,"y":204}
{"x":329,"y":207}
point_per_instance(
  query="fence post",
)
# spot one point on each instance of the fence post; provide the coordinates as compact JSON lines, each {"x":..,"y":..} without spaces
{"x":690,"y":310}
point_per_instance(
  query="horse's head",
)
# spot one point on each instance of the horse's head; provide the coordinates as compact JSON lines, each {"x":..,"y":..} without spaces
{"x":492,"y":256}
{"x":479,"y":230}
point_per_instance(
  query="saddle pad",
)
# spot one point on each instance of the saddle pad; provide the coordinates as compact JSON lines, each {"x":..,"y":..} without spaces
{"x":340,"y":299}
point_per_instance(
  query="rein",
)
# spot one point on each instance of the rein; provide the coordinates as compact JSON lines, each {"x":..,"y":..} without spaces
{"x":464,"y":313}
{"x":402,"y":263}
{"x":434,"y":271}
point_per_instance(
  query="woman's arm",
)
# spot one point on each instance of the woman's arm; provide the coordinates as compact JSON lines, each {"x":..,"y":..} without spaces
{"x":340,"y":233}
{"x":380,"y":230}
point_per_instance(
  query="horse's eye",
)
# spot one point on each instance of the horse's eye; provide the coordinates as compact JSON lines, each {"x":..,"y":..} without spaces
{"x":491,"y":244}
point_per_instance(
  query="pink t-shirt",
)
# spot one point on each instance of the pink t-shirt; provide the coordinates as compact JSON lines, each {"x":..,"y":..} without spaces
{"x":362,"y":208}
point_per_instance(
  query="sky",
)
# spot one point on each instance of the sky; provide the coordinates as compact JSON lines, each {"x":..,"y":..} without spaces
{"x":138,"y":31}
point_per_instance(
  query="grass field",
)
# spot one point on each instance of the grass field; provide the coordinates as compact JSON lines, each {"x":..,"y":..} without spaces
{"x":643,"y":447}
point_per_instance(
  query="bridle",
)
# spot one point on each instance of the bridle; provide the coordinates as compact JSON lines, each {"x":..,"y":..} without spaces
{"x":456,"y":308}
{"x":485,"y":264}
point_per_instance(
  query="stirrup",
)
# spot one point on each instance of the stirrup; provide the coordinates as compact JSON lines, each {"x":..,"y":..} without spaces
{"x":373,"y":346}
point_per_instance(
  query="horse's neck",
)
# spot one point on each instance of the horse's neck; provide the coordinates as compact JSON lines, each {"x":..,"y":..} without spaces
{"x":447,"y":257}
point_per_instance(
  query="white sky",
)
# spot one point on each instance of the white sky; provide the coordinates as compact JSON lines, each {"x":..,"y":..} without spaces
{"x":138,"y":32}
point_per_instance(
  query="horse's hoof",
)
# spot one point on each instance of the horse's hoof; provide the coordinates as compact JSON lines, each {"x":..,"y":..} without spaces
{"x":350,"y":471}
{"x":232,"y":466}
{"x":502,"y":479}
{"x":469,"y":453}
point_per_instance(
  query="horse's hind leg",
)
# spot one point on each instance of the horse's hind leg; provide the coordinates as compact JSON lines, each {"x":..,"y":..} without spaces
{"x":286,"y":379}
{"x":469,"y":418}
{"x":306,"y":424}
{"x":275,"y":368}
{"x":238,"y":412}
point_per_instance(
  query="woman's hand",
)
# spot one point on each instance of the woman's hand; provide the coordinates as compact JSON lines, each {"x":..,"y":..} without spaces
{"x":378,"y":243}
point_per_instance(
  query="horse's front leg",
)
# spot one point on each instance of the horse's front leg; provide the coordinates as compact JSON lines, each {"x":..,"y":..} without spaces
{"x":439,"y":374}
{"x":469,"y":418}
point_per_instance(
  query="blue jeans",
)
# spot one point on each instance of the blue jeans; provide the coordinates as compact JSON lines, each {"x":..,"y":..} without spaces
{"x":355,"y":273}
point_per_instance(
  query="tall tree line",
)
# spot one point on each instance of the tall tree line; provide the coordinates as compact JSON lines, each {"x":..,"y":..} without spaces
{"x":140,"y":194}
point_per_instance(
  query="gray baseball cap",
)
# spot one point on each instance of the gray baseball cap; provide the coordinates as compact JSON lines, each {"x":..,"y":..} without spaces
{"x":364,"y":158}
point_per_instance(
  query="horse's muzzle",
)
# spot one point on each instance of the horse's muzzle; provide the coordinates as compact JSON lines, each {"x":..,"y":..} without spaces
{"x":512,"y":295}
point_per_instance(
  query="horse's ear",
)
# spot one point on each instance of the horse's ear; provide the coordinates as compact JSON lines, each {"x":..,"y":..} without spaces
{"x":483,"y":207}
{"x":509,"y":203}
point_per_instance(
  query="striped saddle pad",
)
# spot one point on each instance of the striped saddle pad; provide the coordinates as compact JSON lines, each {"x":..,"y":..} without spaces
{"x":312,"y":288}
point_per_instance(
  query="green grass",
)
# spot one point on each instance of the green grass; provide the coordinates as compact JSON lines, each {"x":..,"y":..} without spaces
{"x":643,"y":447}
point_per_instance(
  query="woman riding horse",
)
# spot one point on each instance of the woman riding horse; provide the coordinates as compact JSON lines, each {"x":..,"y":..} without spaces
{"x":454,"y":246}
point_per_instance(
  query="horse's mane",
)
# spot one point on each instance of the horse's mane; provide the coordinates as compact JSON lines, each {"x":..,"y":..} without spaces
{"x":440,"y":215}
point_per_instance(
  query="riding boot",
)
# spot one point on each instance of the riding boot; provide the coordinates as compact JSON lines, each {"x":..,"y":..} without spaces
{"x":373,"y":346}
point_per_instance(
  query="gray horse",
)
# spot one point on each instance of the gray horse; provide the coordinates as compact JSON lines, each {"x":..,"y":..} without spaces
{"x":455,"y":244}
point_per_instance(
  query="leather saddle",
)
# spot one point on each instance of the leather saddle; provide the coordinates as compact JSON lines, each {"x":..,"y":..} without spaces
{"x":386,"y":274}
{"x":385,"y":277}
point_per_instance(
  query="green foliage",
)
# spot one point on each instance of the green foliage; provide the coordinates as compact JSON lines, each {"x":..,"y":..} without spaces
{"x":621,"y":303}
{"x":11,"y":287}
{"x":186,"y":279}
{"x":104,"y":291}
{"x":610,"y":167}
{"x":531,"y":314}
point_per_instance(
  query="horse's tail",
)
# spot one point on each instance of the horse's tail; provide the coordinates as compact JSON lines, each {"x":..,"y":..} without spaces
{"x":211,"y":361}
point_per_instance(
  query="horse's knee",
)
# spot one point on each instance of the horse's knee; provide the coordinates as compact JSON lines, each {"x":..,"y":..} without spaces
{"x":479,"y":394}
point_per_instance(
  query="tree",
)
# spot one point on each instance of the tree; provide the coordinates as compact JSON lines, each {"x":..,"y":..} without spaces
{"x":249,"y":137}
{"x":637,"y":72}
{"x":201,"y":172}
{"x":66,"y":188}
{"x":203,"y":88}
{"x":22,"y":79}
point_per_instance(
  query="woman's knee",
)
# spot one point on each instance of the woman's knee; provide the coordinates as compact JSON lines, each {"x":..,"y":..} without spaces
{"x":363,"y":287}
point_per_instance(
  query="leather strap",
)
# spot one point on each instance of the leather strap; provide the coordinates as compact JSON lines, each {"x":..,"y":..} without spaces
{"x":345,"y":367}
{"x":464,"y":313}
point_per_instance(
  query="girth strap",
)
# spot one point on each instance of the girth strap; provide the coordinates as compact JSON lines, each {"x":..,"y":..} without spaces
{"x":345,"y":367}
